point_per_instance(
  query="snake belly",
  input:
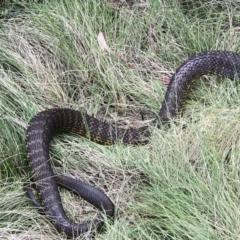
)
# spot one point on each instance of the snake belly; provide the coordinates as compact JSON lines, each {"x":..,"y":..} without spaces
{"x":49,"y":122}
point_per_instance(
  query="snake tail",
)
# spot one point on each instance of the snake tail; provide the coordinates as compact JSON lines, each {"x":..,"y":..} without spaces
{"x":94,"y":196}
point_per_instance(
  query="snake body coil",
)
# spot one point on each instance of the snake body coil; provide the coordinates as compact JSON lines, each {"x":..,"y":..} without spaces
{"x":47,"y":123}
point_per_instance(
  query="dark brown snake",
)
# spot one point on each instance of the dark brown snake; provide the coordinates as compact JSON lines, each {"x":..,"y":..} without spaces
{"x":47,"y":123}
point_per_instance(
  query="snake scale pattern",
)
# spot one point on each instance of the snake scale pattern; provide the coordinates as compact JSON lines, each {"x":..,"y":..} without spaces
{"x":49,"y":122}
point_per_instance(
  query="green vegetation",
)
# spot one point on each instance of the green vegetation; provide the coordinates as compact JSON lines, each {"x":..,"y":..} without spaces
{"x":184,"y":184}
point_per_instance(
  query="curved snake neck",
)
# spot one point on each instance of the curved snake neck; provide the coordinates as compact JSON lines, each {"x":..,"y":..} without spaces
{"x":47,"y":123}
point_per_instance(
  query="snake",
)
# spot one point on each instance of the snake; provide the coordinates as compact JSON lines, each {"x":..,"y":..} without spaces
{"x":47,"y":123}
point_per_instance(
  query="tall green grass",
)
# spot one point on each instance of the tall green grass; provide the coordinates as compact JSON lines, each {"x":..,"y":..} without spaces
{"x":185,"y":183}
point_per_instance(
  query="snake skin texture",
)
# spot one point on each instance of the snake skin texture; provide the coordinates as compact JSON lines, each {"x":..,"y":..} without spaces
{"x":94,"y":196}
{"x":224,"y":63}
{"x":49,"y":122}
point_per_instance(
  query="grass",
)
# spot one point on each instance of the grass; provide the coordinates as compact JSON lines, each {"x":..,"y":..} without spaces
{"x":185,"y":183}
